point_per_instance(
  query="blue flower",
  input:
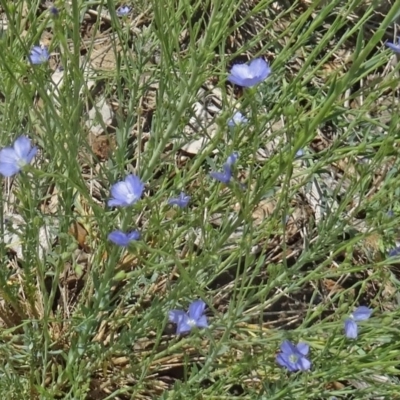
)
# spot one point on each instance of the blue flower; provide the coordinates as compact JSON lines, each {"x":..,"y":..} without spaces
{"x":394,"y":252}
{"x":123,"y":238}
{"x":13,"y":159}
{"x":237,"y":119}
{"x":299,"y":153}
{"x":181,"y":201}
{"x":361,"y":313}
{"x":394,"y":46}
{"x":54,"y":11}
{"x":123,"y":10}
{"x":38,"y":55}
{"x":248,"y":75}
{"x":193,"y":318}
{"x":294,"y":357}
{"x":226,"y":175}
{"x":232,"y":158}
{"x":127,"y":192}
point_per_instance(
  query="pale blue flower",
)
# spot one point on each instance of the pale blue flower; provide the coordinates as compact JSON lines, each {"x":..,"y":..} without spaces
{"x":361,"y":313}
{"x":299,"y":153}
{"x":232,"y":158}
{"x":193,"y":318}
{"x":127,"y":192}
{"x":181,"y":201}
{"x":394,"y":46}
{"x":248,"y":75}
{"x":54,"y":11}
{"x":13,"y":159}
{"x":39,"y":55}
{"x":237,"y":119}
{"x":294,"y":357}
{"x":394,"y":252}
{"x":123,"y":238}
{"x":226,"y":175}
{"x":123,"y":10}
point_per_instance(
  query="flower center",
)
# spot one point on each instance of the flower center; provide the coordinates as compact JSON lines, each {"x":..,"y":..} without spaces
{"x":293,"y":358}
{"x":250,"y":75}
{"x":21,"y":163}
{"x":131,"y":197}
{"x":191,"y":322}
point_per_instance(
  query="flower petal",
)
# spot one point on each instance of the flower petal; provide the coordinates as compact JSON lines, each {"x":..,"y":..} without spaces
{"x":31,"y":154}
{"x":38,"y":55}
{"x":394,"y":47}
{"x":196,"y":309}
{"x":231,"y":160}
{"x":117,"y":203}
{"x":394,"y":252}
{"x":283,"y":360}
{"x":123,"y":10}
{"x":133,"y":235}
{"x":260,"y":68}
{"x":34,"y":56}
{"x":181,"y":201}
{"x":220,"y":176}
{"x":202,"y":322}
{"x":22,"y":147}
{"x":183,"y":326}
{"x":9,"y":165}
{"x":350,"y":329}
{"x":175,"y":316}
{"x":119,"y":238}
{"x":240,"y":71}
{"x":299,"y":153}
{"x":8,"y":156}
{"x":304,"y":364}
{"x":134,"y":185}
{"x":8,"y":169}
{"x":237,"y":119}
{"x":288,"y":348}
{"x":303,"y":348}
{"x":174,"y":201}
{"x":361,"y":313}
{"x":120,"y":190}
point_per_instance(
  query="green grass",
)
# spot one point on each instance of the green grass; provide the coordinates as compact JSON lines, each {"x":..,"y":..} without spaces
{"x":84,"y":319}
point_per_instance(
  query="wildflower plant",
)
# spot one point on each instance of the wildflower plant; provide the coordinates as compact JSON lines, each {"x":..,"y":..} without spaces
{"x":89,"y":306}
